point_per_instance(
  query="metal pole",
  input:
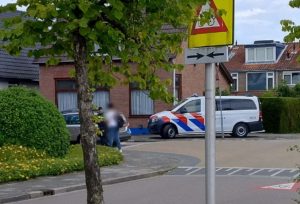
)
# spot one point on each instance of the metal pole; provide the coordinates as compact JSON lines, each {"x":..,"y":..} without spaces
{"x":174,"y":87}
{"x":210,"y":133}
{"x":221,"y":110}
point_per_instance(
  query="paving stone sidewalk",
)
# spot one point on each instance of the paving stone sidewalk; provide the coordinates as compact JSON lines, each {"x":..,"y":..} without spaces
{"x":136,"y":165}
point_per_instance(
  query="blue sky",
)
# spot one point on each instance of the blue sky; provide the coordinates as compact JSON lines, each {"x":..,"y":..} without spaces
{"x":256,"y":19}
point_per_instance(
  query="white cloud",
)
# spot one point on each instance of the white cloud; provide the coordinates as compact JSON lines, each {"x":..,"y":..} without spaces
{"x":249,"y":13}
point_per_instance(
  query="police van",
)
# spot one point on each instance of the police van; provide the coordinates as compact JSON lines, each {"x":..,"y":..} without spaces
{"x":241,"y":115}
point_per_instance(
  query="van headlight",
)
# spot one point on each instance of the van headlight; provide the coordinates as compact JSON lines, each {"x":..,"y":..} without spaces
{"x":153,"y":119}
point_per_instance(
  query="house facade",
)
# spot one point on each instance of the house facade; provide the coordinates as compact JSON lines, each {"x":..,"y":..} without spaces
{"x":262,"y":66}
{"x":57,"y":86}
{"x":17,"y":70}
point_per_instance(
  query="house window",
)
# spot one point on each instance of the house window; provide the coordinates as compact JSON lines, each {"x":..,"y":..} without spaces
{"x":178,"y":85}
{"x":291,"y":78}
{"x":101,"y":98}
{"x":140,"y":102}
{"x":235,"y":83}
{"x":66,"y":96}
{"x":260,"y":81}
{"x":260,"y":54}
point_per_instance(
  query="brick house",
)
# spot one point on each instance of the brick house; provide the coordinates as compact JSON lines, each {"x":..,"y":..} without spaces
{"x":18,"y":70}
{"x":57,"y":86}
{"x":261,"y":66}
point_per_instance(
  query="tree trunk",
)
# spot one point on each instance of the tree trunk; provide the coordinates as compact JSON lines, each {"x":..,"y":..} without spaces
{"x":87,"y":127}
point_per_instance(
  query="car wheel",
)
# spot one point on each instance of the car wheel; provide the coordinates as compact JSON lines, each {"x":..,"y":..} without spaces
{"x":169,"y":131}
{"x":240,"y":130}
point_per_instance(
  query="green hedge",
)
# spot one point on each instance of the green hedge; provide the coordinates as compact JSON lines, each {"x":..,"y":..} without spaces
{"x":22,"y":163}
{"x":27,"y":119}
{"x":281,"y":115}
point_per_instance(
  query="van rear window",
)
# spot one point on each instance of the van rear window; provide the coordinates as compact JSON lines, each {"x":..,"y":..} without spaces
{"x":235,"y":104}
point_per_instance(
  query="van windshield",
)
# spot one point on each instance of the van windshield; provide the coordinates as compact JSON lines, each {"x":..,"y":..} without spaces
{"x":179,"y":104}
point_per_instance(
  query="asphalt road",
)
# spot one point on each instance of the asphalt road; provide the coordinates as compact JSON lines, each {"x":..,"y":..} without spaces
{"x":183,"y":189}
{"x":244,"y":166}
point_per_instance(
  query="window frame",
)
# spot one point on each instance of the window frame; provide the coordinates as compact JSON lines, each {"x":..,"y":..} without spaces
{"x":74,"y":90}
{"x":255,"y":53}
{"x":191,"y":101}
{"x":290,"y":73}
{"x":135,"y":88}
{"x":179,"y":87}
{"x":267,"y":78}
{"x":237,"y":80}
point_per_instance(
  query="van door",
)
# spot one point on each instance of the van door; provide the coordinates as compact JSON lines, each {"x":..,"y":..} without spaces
{"x":191,"y":117}
{"x":227,"y":117}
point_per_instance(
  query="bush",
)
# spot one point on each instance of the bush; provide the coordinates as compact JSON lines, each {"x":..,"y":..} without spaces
{"x":29,"y":120}
{"x":281,"y":115}
{"x":1,"y":139}
{"x":22,"y":163}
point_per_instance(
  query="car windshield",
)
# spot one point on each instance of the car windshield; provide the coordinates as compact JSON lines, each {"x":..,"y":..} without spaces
{"x":179,"y":104}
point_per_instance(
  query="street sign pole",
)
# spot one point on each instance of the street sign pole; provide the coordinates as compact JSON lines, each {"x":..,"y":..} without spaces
{"x":207,"y":44}
{"x":210,"y":133}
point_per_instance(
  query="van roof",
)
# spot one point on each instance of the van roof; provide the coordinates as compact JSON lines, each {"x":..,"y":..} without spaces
{"x":225,"y":97}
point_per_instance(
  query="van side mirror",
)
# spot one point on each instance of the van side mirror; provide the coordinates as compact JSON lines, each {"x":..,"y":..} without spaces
{"x":183,"y":110}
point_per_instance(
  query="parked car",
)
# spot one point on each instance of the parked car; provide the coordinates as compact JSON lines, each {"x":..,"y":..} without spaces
{"x":241,"y":115}
{"x":73,"y":124}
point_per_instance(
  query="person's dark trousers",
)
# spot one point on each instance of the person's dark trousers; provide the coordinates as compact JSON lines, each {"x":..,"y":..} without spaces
{"x":113,"y":137}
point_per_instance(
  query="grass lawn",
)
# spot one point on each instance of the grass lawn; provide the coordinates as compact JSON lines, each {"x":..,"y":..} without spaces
{"x":22,"y":163}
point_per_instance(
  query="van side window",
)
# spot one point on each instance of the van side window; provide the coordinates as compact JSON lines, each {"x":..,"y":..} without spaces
{"x":235,"y":104}
{"x":191,"y":107}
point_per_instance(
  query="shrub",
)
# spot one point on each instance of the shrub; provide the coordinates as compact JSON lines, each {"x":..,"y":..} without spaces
{"x":1,"y":139}
{"x":268,"y":94}
{"x":29,"y":120}
{"x":23,"y":163}
{"x":281,"y":115}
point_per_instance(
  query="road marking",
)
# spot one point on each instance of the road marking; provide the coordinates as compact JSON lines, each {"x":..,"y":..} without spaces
{"x":192,"y":172}
{"x":237,"y":171}
{"x":233,"y":172}
{"x":278,"y":172}
{"x":255,"y":172}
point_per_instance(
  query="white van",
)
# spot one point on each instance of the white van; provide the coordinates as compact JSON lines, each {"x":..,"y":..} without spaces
{"x":241,"y":115}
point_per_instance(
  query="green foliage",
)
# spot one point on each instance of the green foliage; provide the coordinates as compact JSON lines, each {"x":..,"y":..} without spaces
{"x":283,"y":90}
{"x":223,"y":92}
{"x":290,"y":26}
{"x":28,"y":119}
{"x":281,"y":115}
{"x":297,"y":90}
{"x":268,"y":94}
{"x":131,"y":30}
{"x":22,"y":163}
{"x":1,"y":139}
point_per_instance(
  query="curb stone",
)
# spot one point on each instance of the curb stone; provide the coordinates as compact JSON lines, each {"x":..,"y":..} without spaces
{"x":56,"y":191}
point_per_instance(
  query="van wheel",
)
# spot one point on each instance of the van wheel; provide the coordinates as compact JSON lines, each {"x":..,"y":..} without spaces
{"x":169,"y":132}
{"x":240,"y":130}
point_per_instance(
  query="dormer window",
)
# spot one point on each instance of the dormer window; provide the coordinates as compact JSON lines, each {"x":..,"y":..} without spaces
{"x":260,"y":55}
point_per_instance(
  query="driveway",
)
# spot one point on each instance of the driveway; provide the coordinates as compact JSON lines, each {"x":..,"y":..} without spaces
{"x":249,"y":152}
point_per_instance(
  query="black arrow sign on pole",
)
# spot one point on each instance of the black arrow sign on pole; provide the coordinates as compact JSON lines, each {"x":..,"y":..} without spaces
{"x":198,"y":56}
{"x":213,"y":54}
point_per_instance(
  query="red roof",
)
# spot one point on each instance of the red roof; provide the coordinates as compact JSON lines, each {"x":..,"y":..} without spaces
{"x":237,"y":62}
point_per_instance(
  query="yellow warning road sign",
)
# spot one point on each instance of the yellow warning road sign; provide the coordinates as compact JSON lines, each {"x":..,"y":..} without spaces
{"x":217,"y":32}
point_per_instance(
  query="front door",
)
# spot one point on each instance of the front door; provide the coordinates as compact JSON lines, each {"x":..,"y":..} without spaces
{"x":191,"y":117}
